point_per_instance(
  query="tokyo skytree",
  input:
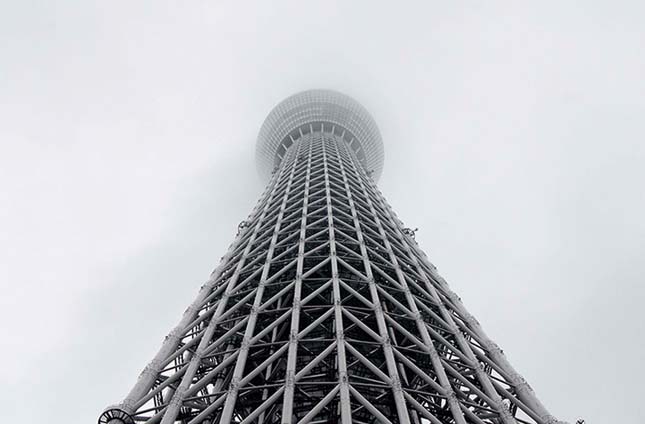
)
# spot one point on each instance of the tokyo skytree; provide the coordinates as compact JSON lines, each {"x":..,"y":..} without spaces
{"x":324,"y":308}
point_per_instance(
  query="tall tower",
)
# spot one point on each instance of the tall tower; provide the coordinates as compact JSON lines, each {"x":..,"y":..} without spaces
{"x":324,"y":309}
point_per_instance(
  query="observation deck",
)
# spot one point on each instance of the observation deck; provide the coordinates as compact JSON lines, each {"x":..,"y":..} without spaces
{"x":319,"y":111}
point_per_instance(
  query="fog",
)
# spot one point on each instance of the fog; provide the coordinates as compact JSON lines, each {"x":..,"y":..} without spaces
{"x":514,"y":140}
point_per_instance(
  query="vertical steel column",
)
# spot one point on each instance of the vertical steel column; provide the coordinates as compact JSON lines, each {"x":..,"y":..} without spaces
{"x":151,"y":372}
{"x":231,"y":398}
{"x":525,"y":393}
{"x":483,"y":379}
{"x":343,"y":381}
{"x":177,"y":399}
{"x":434,"y":356}
{"x":287,"y":404}
{"x":393,"y":373}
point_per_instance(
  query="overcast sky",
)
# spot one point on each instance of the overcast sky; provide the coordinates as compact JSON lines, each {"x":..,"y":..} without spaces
{"x":514,"y":140}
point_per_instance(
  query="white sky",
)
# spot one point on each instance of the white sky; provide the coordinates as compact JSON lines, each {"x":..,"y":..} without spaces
{"x":514,"y":136}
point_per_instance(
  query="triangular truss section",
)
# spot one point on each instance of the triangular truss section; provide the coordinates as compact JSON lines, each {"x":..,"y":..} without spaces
{"x":325,"y":310}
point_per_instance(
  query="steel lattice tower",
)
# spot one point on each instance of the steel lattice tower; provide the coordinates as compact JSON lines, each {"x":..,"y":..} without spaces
{"x":324,"y":309}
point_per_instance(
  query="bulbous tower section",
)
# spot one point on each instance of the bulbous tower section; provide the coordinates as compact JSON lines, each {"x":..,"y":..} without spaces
{"x":318,"y":111}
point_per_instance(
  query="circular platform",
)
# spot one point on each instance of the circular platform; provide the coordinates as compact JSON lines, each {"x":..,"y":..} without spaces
{"x":115,"y":415}
{"x":319,"y":109}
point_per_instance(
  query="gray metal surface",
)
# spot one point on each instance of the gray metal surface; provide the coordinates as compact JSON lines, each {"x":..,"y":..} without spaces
{"x":324,"y":310}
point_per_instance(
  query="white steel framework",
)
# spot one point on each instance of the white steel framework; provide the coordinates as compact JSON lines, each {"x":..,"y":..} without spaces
{"x":325,"y":310}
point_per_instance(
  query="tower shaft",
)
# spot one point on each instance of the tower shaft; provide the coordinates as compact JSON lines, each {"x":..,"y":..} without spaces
{"x":324,"y":309}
